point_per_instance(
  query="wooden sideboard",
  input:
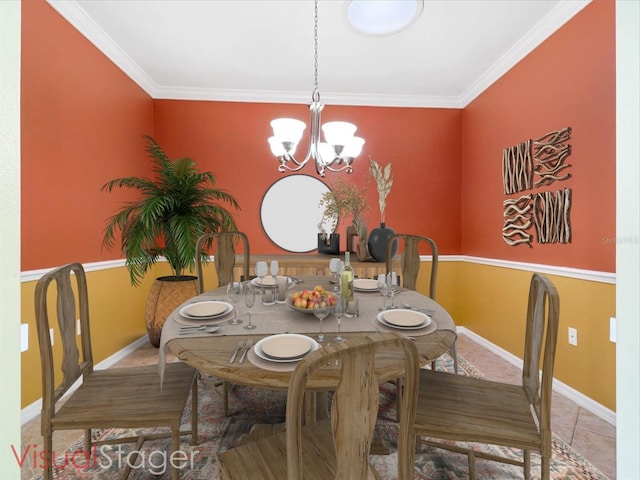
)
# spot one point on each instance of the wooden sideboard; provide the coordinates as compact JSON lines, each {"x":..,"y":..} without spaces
{"x":299,"y":265}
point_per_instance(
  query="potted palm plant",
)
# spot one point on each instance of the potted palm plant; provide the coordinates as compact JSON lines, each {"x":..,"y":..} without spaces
{"x":175,"y":208}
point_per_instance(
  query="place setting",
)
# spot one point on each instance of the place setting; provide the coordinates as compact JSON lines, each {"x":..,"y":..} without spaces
{"x":366,"y":285}
{"x":406,"y":321}
{"x":281,"y":352}
{"x":202,"y":318}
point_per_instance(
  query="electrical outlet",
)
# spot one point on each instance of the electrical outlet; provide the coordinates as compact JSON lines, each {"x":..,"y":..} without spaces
{"x":573,"y":336}
{"x":612,"y":329}
{"x":24,"y":337}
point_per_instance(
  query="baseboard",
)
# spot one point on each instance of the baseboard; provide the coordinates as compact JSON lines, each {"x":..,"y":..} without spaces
{"x":572,"y":394}
{"x":31,"y":411}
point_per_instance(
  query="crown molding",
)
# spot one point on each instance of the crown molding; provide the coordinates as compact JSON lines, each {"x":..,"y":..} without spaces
{"x":76,"y":16}
{"x":328,"y":98}
{"x":561,"y":14}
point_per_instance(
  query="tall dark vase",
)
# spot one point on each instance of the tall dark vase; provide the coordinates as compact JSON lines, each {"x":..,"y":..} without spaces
{"x":378,"y":243}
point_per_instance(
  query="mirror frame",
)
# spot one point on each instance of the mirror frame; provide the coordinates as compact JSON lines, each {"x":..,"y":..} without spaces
{"x":290,"y":212}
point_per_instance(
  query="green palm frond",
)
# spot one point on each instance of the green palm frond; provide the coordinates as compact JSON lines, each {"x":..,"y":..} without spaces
{"x":174,"y":209}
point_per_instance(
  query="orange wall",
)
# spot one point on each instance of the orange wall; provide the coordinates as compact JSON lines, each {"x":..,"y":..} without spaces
{"x":230,"y":139}
{"x":82,"y":121}
{"x":569,"y":80}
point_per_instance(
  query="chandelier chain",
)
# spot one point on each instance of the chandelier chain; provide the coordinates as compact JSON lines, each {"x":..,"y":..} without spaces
{"x":316,"y":90}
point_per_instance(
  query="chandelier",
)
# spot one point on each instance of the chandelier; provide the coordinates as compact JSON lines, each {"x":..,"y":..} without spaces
{"x":340,"y":148}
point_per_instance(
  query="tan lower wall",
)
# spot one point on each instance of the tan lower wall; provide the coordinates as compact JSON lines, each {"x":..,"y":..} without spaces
{"x":490,"y":301}
{"x":116,"y":313}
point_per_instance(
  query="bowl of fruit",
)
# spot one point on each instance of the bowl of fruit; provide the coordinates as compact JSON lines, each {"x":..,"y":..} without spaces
{"x":302,"y":301}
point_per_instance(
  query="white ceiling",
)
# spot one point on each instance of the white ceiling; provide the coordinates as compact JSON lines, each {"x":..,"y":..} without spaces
{"x":262,"y":50}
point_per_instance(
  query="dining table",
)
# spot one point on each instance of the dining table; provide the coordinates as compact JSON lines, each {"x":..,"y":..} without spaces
{"x":211,"y":352}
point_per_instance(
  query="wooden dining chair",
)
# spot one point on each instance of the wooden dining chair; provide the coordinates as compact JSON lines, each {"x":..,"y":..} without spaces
{"x":468,"y":409}
{"x":124,"y":398}
{"x":337,"y":447}
{"x":222,"y":246}
{"x":410,"y":265}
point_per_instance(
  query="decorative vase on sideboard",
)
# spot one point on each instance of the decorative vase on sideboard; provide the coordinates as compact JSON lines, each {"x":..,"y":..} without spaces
{"x":377,"y":243}
{"x":329,"y":244}
{"x":165,"y":295}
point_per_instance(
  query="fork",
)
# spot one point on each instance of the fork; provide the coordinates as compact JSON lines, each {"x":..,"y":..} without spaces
{"x":246,"y":349}
{"x":235,"y":352}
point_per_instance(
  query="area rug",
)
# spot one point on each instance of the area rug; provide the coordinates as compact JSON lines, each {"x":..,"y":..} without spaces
{"x":249,"y":406}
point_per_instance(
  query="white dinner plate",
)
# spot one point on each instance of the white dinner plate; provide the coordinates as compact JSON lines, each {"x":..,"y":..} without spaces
{"x":281,"y":348}
{"x":366,"y":285}
{"x":205,"y":310}
{"x":404,"y":319}
{"x":269,"y":281}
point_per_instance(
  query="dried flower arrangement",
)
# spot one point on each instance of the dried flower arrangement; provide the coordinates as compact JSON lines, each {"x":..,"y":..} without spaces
{"x":344,"y":199}
{"x":384,"y":182}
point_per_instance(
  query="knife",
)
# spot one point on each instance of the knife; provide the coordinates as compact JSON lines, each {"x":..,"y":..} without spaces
{"x":244,"y":354}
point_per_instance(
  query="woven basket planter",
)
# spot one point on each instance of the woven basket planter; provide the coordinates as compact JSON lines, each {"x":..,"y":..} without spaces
{"x":165,"y":295}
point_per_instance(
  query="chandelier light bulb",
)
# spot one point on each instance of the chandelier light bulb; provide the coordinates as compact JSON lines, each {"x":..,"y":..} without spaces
{"x":353,"y":148}
{"x":288,"y":129}
{"x":277,"y":147}
{"x":338,"y":133}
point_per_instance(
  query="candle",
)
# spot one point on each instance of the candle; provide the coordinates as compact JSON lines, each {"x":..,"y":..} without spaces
{"x":352,"y":308}
{"x":268,"y":295}
{"x":282,"y":289}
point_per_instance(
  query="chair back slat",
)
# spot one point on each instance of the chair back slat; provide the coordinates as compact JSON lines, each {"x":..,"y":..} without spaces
{"x":410,"y":259}
{"x":69,"y":299}
{"x":224,"y":256}
{"x":543,"y":313}
{"x":354,"y":404}
{"x":353,"y":416}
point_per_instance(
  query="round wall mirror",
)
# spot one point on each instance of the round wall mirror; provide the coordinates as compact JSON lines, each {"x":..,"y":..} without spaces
{"x":290,"y":212}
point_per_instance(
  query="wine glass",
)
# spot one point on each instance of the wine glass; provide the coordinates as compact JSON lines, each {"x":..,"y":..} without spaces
{"x":249,"y":300}
{"x":234,"y":294}
{"x":335,"y":265}
{"x":338,"y":311}
{"x":383,"y":287}
{"x":274,"y":268}
{"x":321,"y":310}
{"x":261,"y":270}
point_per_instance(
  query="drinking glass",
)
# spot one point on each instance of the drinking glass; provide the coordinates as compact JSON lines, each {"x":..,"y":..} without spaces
{"x":338,"y":311}
{"x":335,"y":265}
{"x":234,"y":294}
{"x":383,"y":287}
{"x":321,"y":310}
{"x":274,"y":268}
{"x":392,"y":281}
{"x":249,"y":300}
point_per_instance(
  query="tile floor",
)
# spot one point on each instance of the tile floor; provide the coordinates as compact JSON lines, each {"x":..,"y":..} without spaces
{"x":589,"y":435}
